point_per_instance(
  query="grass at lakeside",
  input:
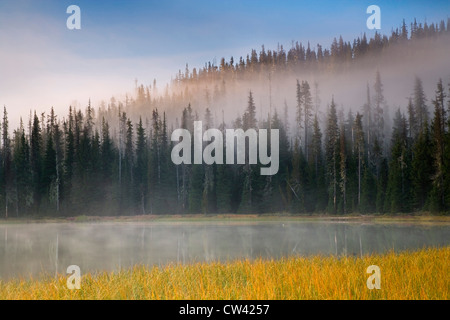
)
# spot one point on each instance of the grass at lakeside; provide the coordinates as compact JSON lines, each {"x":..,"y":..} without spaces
{"x":421,"y":274}
{"x":423,"y":217}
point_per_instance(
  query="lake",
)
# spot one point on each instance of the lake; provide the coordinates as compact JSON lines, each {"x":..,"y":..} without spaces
{"x":36,"y":249}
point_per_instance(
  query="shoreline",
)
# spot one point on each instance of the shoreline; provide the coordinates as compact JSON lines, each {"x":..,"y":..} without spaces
{"x":407,"y":275}
{"x":421,"y":218}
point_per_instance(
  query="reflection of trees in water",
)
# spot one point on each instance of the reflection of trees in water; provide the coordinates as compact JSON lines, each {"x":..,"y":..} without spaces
{"x":35,"y":249}
{"x":53,"y":250}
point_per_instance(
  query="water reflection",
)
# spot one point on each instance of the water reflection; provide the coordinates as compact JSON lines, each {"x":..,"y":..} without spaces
{"x":34,"y":249}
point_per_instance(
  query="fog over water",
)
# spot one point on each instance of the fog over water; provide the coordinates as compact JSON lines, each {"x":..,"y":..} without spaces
{"x":39,"y":249}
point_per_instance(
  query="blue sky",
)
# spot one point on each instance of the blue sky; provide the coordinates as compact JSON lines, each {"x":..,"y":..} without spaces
{"x":43,"y":63}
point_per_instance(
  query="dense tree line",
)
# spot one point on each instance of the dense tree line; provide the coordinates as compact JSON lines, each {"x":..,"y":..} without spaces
{"x":76,"y":165}
{"x":116,"y":160}
{"x":301,"y":57}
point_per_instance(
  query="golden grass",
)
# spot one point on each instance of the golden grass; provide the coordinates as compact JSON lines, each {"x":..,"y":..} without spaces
{"x":422,"y":274}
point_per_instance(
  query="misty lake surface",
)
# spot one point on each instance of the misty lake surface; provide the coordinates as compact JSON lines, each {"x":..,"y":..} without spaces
{"x":38,"y":249}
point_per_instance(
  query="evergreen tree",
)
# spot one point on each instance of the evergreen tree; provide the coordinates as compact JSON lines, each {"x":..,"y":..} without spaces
{"x":49,"y":170}
{"x":421,"y":172}
{"x":331,"y":155}
{"x":273,"y":188}
{"x":412,"y":121}
{"x":343,"y":176}
{"x":248,"y":171}
{"x":129,"y":163}
{"x":307,"y":113}
{"x":22,"y":173}
{"x":59,"y":161}
{"x":107,"y":153}
{"x":36,"y":162}
{"x":224,"y":182}
{"x":438,"y":201}
{"x":186,"y":123}
{"x":420,"y":108}
{"x":168,"y":180}
{"x":6,"y":174}
{"x":359,"y":151}
{"x":155,"y":162}
{"x":298,"y":181}
{"x":95,"y":179}
{"x":398,"y":193}
{"x":69,"y":159}
{"x":141,"y":168}
{"x":285,"y":160}
{"x":368,"y":125}
{"x":196,"y":189}
{"x":249,"y":117}
{"x":379,"y":104}
{"x":369,"y":192}
{"x":382,"y":183}
{"x":447,"y":154}
{"x":317,"y":173}
{"x":208,"y":197}
{"x":299,"y":107}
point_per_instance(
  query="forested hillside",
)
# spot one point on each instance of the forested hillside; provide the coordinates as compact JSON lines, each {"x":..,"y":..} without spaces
{"x":115,"y":159}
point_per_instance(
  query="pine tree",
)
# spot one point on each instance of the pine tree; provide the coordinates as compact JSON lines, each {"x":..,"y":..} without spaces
{"x":155,"y":162}
{"x":382,"y":184}
{"x":447,"y":154}
{"x":420,"y":107}
{"x":6,"y":174}
{"x":208,"y":197}
{"x":36,"y":162}
{"x":317,"y":176}
{"x":343,"y":171}
{"x":316,"y":146}
{"x":369,"y":192}
{"x":307,"y":113}
{"x":331,"y":155}
{"x":299,"y":107}
{"x":249,"y":117}
{"x":412,"y":121}
{"x":141,"y":169}
{"x":97,"y":197}
{"x":398,"y":193}
{"x":379,"y":104}
{"x":368,"y":125}
{"x":272,"y":188}
{"x":248,"y":171}
{"x":404,"y":31}
{"x":49,"y":170}
{"x":59,"y":153}
{"x":285,"y":159}
{"x":22,"y":173}
{"x":168,"y":179}
{"x":359,"y":151}
{"x":421,"y":172}
{"x":224,"y":182}
{"x":128,"y":183}
{"x":89,"y":125}
{"x":196,"y":189}
{"x":69,"y":159}
{"x":186,"y":123}
{"x":108,"y":169}
{"x":297,"y":182}
{"x":106,"y":153}
{"x":438,"y":201}
{"x":224,"y":188}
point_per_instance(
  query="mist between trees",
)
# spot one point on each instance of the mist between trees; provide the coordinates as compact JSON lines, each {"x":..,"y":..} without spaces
{"x":380,"y":158}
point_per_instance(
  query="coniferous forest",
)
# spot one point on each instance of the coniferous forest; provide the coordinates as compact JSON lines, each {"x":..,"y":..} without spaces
{"x":115,"y":158}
